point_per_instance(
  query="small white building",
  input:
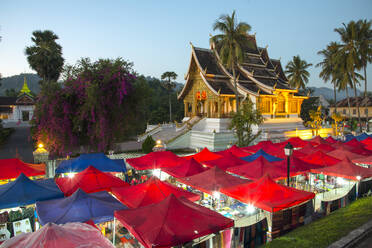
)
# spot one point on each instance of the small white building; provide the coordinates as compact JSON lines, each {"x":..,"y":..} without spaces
{"x":18,"y":109}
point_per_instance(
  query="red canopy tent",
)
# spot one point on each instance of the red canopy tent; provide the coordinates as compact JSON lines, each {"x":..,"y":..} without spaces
{"x":258,"y":168}
{"x":318,"y":140}
{"x":236,"y":151}
{"x":186,"y":168}
{"x":260,"y":145}
{"x":229,"y":160}
{"x":363,"y":160}
{"x":204,"y":155}
{"x":90,"y":180}
{"x":297,"y":166}
{"x":212,"y":180}
{"x":13,"y":167}
{"x":149,"y":192}
{"x":325,"y":148}
{"x":155,"y":160}
{"x":345,"y":169}
{"x":308,"y":149}
{"x":296,"y":142}
{"x":342,"y":152}
{"x":355,"y":143}
{"x":330,"y":140}
{"x":320,"y":158}
{"x":367,"y":141}
{"x":60,"y":236}
{"x":171,"y":222}
{"x":268,"y":195}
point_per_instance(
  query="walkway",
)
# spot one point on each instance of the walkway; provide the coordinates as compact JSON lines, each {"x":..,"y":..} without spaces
{"x":19,"y":144}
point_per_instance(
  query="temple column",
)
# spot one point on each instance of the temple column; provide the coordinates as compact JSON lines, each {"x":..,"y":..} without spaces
{"x":219,"y":108}
{"x":208,"y":109}
{"x":286,"y":106}
{"x":186,"y":105}
{"x":193,"y":108}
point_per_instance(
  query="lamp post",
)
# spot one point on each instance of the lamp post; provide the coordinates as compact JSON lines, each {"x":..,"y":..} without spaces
{"x":288,"y":150}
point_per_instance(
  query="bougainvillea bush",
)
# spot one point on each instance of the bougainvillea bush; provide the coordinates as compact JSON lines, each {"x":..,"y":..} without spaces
{"x":94,"y":107}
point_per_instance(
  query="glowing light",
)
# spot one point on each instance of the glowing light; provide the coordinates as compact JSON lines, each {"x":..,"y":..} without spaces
{"x":358,"y":178}
{"x":307,"y":134}
{"x":40,"y":145}
{"x":195,"y":231}
{"x":216,"y":195}
{"x":158,"y":142}
{"x":341,"y":181}
{"x":250,"y":209}
{"x":70,"y":175}
{"x":157,"y":173}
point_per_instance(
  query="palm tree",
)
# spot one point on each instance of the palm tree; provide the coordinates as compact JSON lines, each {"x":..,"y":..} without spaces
{"x":169,"y":85}
{"x":229,"y":44}
{"x":350,"y":48}
{"x":297,"y":74}
{"x":328,"y":66}
{"x":45,"y":57}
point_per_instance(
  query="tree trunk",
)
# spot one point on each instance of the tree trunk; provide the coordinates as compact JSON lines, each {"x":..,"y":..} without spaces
{"x":348,"y":101}
{"x":170,"y":107}
{"x":365,"y":96}
{"x":235,"y":89}
{"x":357,"y":103}
{"x":334,"y":91}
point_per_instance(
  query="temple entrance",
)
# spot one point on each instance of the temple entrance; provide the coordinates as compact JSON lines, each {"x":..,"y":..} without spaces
{"x":200,"y":109}
{"x":25,"y":115}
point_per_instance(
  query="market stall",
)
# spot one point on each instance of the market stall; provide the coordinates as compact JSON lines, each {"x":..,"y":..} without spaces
{"x":13,"y":167}
{"x":90,"y":180}
{"x":234,"y":150}
{"x":149,"y":192}
{"x":204,"y":155}
{"x":155,"y":160}
{"x":187,"y":167}
{"x":262,"y":153}
{"x":320,"y":158}
{"x":228,"y":160}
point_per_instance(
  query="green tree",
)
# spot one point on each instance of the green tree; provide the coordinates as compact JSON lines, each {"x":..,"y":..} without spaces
{"x":308,"y":105}
{"x":328,"y":66}
{"x":11,"y":92}
{"x":45,"y":56}
{"x":350,"y":49}
{"x":169,"y":85}
{"x":243,"y":120}
{"x":229,"y":44}
{"x":148,"y":144}
{"x":297,"y":73}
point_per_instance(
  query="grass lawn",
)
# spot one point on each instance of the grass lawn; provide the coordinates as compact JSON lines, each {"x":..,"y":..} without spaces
{"x":325,"y":231}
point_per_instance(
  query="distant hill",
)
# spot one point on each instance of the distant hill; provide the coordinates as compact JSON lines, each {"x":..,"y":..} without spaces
{"x":328,"y":93}
{"x":16,"y":82}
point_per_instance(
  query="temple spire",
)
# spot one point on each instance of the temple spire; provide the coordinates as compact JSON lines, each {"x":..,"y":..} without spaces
{"x":25,"y":89}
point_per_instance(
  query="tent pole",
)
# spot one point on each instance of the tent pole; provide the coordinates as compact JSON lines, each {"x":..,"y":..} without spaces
{"x":114,"y":232}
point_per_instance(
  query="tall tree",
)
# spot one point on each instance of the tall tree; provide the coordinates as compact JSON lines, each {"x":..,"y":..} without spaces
{"x":328,"y":66}
{"x":45,"y":56}
{"x":229,"y":44}
{"x":297,"y":73}
{"x":350,"y":38}
{"x":169,"y":85}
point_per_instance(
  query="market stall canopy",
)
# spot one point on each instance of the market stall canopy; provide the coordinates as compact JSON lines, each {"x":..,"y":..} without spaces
{"x":367,"y":141}
{"x":318,"y":140}
{"x":349,"y":137}
{"x":308,"y":149}
{"x":171,"y":222}
{"x":345,"y":169}
{"x":259,"y":146}
{"x":268,"y":195}
{"x":330,"y":140}
{"x":260,"y":153}
{"x":354,"y":143}
{"x":363,"y":160}
{"x":24,"y":191}
{"x":320,"y":158}
{"x":258,"y":168}
{"x":296,"y":142}
{"x":79,"y":207}
{"x":362,"y":136}
{"x":90,"y":180}
{"x":324,"y":148}
{"x":187,"y":167}
{"x":296,"y":165}
{"x":212,"y":180}
{"x":228,"y":160}
{"x":236,"y":151}
{"x":98,"y":160}
{"x":155,"y":160}
{"x":342,"y":153}
{"x":204,"y":155}
{"x":13,"y":167}
{"x":72,"y":235}
{"x":149,"y":192}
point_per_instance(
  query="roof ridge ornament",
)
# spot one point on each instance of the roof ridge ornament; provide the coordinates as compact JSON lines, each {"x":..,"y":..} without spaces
{"x":275,"y":85}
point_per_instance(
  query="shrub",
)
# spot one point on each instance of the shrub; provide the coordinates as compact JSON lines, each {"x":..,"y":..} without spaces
{"x":148,"y":144}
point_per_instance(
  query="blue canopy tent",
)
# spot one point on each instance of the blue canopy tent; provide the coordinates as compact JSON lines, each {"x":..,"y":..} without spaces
{"x":259,"y":153}
{"x":98,"y":160}
{"x":79,"y":207}
{"x":24,"y":191}
{"x":349,"y":137}
{"x":362,"y":136}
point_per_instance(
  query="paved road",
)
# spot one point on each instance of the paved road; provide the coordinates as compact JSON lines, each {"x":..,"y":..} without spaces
{"x":19,"y":142}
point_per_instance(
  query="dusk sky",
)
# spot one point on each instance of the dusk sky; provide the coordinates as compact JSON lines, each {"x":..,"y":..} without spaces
{"x":156,"y":35}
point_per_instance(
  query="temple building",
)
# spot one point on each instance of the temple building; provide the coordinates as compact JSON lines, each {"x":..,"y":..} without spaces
{"x":209,"y":92}
{"x":17,"y":109}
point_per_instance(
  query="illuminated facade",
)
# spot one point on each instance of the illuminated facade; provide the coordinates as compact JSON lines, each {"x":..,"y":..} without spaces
{"x":208,"y":91}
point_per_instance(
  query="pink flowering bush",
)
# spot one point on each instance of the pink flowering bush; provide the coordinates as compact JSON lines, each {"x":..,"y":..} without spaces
{"x":94,"y":107}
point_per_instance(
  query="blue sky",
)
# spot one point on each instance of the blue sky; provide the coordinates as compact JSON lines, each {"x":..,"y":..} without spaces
{"x":155,"y":35}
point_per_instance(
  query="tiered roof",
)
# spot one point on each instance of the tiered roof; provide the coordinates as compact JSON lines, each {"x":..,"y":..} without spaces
{"x":257,"y":74}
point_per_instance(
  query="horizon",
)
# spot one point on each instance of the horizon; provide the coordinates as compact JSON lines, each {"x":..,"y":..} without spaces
{"x":156,"y":36}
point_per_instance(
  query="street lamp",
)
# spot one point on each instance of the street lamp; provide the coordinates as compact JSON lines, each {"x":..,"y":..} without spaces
{"x":288,"y":150}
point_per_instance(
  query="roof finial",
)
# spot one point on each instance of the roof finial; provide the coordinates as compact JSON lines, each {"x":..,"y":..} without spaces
{"x":25,"y":89}
{"x":191,"y":44}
